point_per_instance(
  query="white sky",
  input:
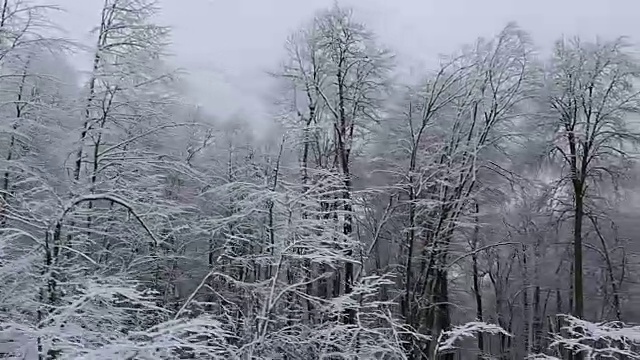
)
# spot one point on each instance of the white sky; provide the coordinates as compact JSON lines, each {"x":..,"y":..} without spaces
{"x":228,"y":45}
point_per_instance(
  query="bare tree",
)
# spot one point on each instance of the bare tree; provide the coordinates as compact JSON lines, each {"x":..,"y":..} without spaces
{"x":463,"y":112}
{"x":338,"y":67}
{"x":591,"y":96}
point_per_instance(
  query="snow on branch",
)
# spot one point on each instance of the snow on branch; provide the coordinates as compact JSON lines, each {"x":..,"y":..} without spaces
{"x":115,"y":199}
{"x":599,"y":340}
{"x":447,"y":339}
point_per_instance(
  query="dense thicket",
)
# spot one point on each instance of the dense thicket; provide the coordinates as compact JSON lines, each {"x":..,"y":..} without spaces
{"x":485,"y":210}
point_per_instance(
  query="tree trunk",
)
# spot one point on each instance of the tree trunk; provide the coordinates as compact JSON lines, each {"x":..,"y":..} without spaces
{"x":526,"y":309}
{"x":476,"y":281}
{"x":443,"y":316}
{"x":578,"y":285}
{"x":19,"y":106}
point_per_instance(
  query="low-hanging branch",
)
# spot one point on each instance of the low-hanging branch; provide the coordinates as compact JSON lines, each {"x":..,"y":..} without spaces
{"x":109,"y":197}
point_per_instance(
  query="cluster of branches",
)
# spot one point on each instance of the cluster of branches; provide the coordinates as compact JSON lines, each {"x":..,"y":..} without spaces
{"x":459,"y":216}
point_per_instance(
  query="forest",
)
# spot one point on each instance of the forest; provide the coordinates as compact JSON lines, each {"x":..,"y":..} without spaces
{"x":482,"y":209}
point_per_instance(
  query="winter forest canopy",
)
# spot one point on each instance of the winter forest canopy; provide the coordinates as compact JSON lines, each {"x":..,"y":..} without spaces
{"x":483,"y":209}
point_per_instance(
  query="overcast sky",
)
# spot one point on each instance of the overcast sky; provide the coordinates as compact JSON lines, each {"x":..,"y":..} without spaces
{"x":228,"y":45}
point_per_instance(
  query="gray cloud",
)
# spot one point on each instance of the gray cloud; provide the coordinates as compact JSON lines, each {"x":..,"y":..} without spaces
{"x":227,"y":46}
